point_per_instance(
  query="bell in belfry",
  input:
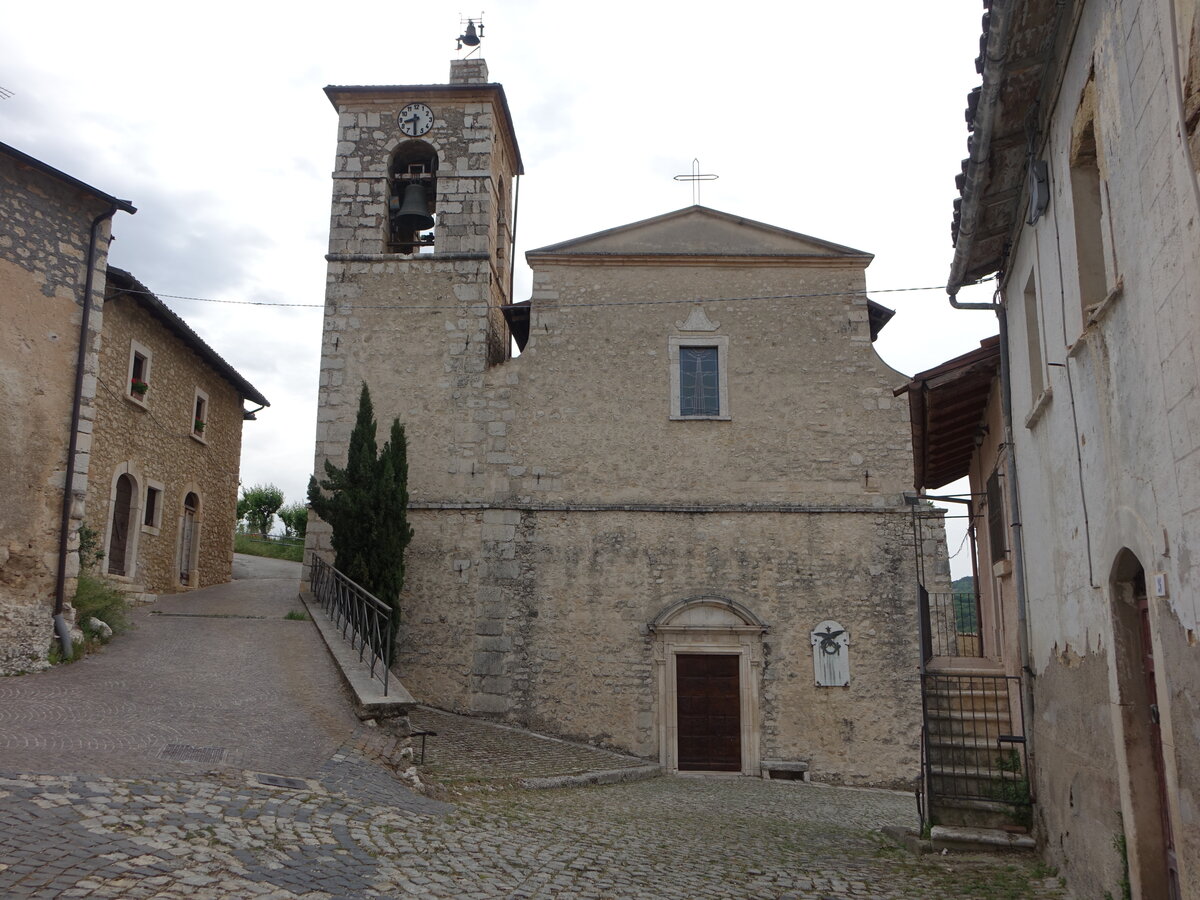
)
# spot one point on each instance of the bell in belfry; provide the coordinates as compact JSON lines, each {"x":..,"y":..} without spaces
{"x":413,"y":214}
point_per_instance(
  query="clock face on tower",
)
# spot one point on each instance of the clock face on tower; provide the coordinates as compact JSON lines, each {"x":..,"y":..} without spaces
{"x":416,"y":119}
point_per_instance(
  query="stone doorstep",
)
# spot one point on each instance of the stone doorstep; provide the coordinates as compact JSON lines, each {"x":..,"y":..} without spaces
{"x":947,"y":838}
{"x":608,"y":776}
{"x":986,"y":840}
{"x":767,"y":766}
{"x":135,"y":594}
{"x":369,"y":699}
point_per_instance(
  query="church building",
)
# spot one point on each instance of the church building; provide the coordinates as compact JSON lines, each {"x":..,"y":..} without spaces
{"x":676,"y":523}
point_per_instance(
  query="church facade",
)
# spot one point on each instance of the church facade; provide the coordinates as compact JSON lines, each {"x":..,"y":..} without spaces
{"x":676,"y":523}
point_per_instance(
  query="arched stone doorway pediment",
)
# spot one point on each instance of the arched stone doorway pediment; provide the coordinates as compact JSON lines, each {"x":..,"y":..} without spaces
{"x":693,"y":630}
{"x":708,"y":611}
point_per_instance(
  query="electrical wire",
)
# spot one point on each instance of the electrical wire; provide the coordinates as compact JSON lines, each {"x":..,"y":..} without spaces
{"x":550,"y":305}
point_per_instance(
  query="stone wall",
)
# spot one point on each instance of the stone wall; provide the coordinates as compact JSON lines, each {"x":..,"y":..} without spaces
{"x":1108,"y":453}
{"x":153,"y":440}
{"x":44,"y":234}
{"x":549,"y":611}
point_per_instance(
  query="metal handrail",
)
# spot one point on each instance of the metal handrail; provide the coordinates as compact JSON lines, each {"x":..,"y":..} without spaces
{"x":974,"y":738}
{"x":364,"y":620}
{"x":950,"y":624}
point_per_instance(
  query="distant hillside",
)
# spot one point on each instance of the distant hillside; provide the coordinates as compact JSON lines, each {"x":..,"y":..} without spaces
{"x":964,"y":585}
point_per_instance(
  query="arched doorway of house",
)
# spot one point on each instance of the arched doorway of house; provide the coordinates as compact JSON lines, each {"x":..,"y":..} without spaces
{"x":189,"y":539}
{"x":122,"y":524}
{"x":708,"y":659}
{"x":1149,"y":838}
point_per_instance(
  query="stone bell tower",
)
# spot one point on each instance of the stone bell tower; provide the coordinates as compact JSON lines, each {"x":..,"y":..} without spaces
{"x":419,"y":264}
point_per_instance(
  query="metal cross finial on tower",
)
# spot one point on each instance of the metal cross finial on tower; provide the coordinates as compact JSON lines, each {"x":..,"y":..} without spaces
{"x":695,"y":178}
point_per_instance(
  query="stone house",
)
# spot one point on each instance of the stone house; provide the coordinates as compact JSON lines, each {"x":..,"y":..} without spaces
{"x":54,"y":236}
{"x":1081,"y":194}
{"x":68,"y":406}
{"x":676,"y":524}
{"x":168,"y":439}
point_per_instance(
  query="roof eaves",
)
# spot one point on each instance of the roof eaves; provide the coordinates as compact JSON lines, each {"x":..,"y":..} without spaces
{"x":26,"y":159}
{"x":124,"y":282}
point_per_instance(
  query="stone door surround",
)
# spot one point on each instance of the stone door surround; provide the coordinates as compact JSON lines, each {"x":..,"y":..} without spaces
{"x":707,"y":624}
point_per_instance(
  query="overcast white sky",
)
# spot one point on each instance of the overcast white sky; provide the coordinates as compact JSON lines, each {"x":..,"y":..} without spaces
{"x":839,"y":120}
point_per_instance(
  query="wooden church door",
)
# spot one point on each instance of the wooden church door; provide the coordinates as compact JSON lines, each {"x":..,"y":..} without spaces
{"x":708,"y":696}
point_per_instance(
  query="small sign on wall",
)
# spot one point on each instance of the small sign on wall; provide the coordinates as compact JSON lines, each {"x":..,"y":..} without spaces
{"x":831,"y":655}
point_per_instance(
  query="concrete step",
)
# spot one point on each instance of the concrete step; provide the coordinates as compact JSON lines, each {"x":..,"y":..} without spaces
{"x":976,"y":840}
{"x":976,"y":813}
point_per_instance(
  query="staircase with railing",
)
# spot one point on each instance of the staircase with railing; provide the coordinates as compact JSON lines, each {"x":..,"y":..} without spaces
{"x":975,"y":767}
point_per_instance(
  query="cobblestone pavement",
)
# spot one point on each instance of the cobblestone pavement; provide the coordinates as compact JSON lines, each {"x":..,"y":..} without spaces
{"x":93,"y":803}
{"x":222,"y":837}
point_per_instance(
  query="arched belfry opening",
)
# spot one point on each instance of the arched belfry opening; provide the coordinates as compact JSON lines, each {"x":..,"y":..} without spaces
{"x":412,"y":198}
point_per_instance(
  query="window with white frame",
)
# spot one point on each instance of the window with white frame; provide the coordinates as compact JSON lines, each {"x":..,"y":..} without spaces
{"x":699,"y":382}
{"x":199,"y":414}
{"x":137,"y":383}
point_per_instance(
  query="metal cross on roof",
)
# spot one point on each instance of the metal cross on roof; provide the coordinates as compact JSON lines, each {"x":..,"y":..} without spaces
{"x":695,"y":178}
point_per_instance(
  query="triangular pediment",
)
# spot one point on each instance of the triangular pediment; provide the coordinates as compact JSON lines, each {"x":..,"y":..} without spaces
{"x":698,"y":231}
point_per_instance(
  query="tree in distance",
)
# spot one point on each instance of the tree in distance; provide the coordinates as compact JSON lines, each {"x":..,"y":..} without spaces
{"x":295,"y":519}
{"x":258,"y":505}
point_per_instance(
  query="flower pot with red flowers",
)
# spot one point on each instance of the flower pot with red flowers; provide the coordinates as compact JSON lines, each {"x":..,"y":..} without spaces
{"x":138,"y":388}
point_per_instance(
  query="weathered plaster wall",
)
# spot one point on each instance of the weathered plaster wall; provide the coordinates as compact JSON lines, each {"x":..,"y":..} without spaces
{"x":43,"y":253}
{"x":155,"y":441}
{"x":1108,"y":461}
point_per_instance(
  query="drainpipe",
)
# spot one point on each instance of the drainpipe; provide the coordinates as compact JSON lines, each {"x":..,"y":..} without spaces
{"x":60,"y":624}
{"x":1014,"y":507}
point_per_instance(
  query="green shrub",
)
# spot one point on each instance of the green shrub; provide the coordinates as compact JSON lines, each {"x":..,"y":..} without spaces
{"x":97,"y":597}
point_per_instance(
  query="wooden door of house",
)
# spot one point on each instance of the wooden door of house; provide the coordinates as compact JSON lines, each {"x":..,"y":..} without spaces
{"x":187,"y":539}
{"x":1156,"y":742}
{"x":118,"y":543}
{"x":708,"y":698}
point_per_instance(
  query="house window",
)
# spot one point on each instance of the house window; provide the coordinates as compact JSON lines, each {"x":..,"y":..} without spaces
{"x":152,"y":508}
{"x":1092,"y":254}
{"x":1033,"y":341}
{"x":995,"y":518}
{"x":699,"y":383}
{"x":138,"y":381}
{"x":200,"y":415}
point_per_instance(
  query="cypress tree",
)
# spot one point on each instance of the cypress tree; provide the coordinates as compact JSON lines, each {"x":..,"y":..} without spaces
{"x":367,"y":508}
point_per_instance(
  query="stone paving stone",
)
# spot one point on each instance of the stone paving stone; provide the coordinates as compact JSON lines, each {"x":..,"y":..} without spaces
{"x":90,"y":808}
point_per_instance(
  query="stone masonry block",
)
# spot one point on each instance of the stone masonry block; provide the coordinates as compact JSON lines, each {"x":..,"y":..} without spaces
{"x":488,"y":663}
{"x":502,"y":517}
